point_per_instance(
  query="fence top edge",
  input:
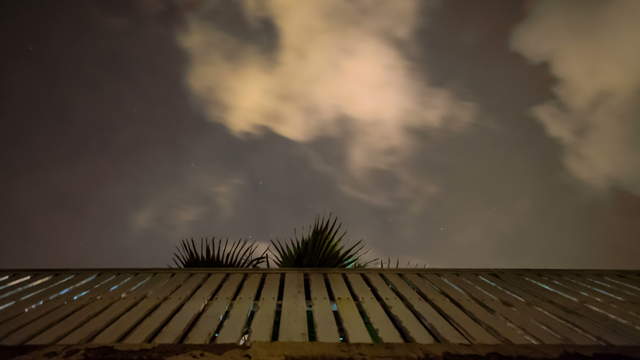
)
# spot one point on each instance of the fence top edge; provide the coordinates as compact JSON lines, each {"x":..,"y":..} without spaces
{"x":321,"y":270}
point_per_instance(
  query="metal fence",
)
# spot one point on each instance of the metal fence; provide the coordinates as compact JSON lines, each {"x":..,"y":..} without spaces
{"x":353,"y":306}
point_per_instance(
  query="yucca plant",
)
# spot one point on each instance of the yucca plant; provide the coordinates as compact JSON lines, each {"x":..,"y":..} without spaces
{"x":321,"y":246}
{"x":212,"y":253}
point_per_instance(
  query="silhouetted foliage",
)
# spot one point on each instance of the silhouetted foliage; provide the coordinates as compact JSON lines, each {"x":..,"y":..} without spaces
{"x":321,"y":246}
{"x":390,"y":264}
{"x":211,"y":253}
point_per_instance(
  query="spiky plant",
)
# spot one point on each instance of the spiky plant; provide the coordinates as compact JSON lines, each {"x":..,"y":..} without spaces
{"x":212,"y":253}
{"x":321,"y":246}
{"x":389,"y":264}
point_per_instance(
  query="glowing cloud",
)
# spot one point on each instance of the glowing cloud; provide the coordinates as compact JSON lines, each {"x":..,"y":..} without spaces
{"x":339,"y":67}
{"x":592,"y":49}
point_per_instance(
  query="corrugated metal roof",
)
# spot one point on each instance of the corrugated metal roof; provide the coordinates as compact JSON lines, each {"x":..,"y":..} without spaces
{"x":353,"y":306}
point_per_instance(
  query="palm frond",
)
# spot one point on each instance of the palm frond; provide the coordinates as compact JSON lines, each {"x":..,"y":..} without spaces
{"x":321,"y":246}
{"x":212,"y":253}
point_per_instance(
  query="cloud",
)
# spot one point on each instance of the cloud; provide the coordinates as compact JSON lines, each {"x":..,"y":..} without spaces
{"x":591,"y":47}
{"x":179,"y":211}
{"x":339,"y":67}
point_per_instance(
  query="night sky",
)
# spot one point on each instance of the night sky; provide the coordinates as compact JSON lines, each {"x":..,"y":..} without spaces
{"x":450,"y":134}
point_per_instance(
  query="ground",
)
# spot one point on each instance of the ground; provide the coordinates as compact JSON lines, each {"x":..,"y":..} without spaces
{"x":319,"y":351}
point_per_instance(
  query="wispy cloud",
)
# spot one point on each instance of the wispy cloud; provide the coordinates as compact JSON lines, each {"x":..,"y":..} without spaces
{"x":592,"y":49}
{"x":178,"y":212}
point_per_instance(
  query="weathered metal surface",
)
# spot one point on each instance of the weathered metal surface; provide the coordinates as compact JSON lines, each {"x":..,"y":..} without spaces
{"x":499,"y":307}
